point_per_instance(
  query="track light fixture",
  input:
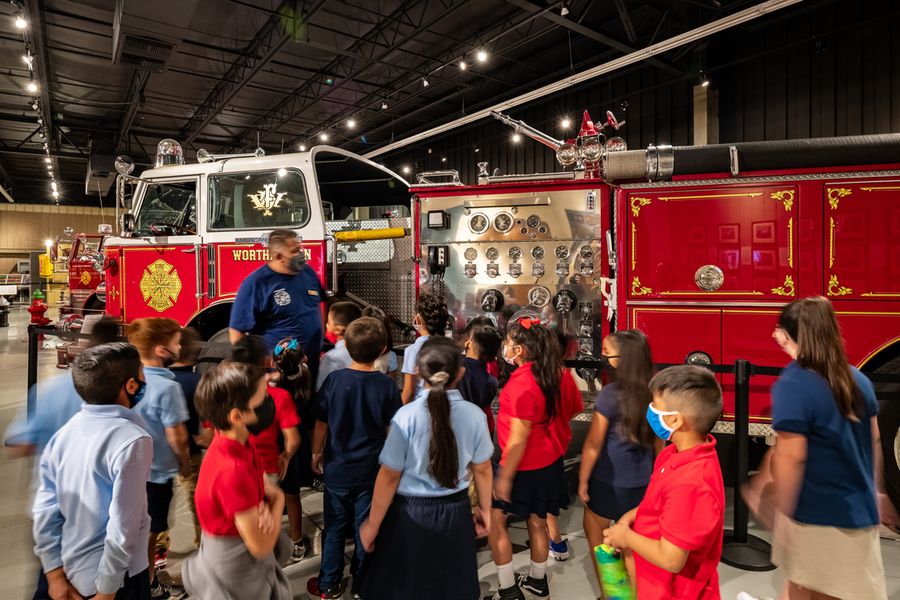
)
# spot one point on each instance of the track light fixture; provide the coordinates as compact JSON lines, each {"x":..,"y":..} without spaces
{"x":32,"y":87}
{"x":323,"y":136}
{"x":302,"y":147}
{"x":21,"y":23}
{"x":351,"y":123}
{"x":462,"y":65}
{"x":384,"y":105}
{"x":481,"y":55}
{"x":425,"y":82}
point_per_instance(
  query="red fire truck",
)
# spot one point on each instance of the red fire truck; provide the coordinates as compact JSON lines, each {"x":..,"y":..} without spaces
{"x":84,"y":266}
{"x":699,"y":247}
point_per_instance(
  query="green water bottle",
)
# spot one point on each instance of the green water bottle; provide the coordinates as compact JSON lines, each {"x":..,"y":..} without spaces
{"x":613,"y":575}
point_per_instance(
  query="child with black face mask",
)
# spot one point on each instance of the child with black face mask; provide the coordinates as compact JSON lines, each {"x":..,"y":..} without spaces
{"x":164,"y":410}
{"x":276,"y":419}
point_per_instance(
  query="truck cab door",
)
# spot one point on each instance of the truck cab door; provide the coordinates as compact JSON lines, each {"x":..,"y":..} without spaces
{"x":161,"y":266}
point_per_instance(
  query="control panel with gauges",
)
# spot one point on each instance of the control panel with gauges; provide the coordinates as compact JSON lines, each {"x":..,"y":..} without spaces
{"x":542,"y":251}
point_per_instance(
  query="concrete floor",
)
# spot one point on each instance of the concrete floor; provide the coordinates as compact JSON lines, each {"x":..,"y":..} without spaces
{"x":573,"y":579}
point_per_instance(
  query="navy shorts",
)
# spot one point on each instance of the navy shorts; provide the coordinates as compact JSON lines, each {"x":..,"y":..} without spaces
{"x":159,"y":497}
{"x":611,"y":502}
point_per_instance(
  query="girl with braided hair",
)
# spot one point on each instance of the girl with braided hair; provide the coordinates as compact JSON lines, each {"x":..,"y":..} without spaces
{"x":431,"y":319}
{"x":421,"y":503}
{"x":533,"y":433}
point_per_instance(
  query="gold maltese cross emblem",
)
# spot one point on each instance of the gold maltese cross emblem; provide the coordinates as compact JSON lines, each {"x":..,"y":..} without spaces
{"x":85,"y":278}
{"x":267,"y":198}
{"x":160,"y":285}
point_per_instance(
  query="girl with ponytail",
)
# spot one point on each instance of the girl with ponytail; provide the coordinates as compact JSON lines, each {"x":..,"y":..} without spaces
{"x":533,"y":432}
{"x":421,"y":504}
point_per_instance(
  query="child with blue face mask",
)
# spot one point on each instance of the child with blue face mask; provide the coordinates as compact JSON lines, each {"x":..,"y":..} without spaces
{"x":675,"y":534}
{"x":618,"y":453}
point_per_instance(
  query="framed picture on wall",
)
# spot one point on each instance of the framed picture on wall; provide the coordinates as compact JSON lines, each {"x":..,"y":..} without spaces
{"x":730,"y":260}
{"x":697,"y":234}
{"x":764,"y":232}
{"x":764,"y":260}
{"x":730,"y":233}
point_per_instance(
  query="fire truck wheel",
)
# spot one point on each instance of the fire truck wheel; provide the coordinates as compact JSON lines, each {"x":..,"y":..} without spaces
{"x":216,"y":349}
{"x":889,"y":425}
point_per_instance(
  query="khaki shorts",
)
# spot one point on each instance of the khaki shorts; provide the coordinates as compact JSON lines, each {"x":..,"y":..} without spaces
{"x":845,"y":563}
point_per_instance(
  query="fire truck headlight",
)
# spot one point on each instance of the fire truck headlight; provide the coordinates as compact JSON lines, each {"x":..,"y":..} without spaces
{"x":698,"y":358}
{"x":591,"y":148}
{"x":567,"y":154}
{"x":169,"y":152}
{"x":124,"y":165}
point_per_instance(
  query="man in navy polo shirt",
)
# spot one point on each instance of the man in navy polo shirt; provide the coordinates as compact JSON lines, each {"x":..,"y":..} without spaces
{"x":281,"y":299}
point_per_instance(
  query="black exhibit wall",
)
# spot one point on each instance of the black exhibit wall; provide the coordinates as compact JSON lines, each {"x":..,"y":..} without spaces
{"x":823,"y":68}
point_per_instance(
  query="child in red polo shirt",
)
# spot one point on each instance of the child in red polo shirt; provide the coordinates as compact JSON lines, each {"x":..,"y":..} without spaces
{"x":242,"y":545}
{"x":675,"y":533}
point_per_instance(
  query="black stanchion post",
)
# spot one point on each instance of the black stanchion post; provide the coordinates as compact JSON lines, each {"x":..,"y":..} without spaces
{"x":33,"y":337}
{"x":742,"y":550}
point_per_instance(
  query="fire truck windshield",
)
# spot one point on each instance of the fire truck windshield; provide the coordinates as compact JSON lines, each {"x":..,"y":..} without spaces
{"x":258,"y":200}
{"x":170,"y":203}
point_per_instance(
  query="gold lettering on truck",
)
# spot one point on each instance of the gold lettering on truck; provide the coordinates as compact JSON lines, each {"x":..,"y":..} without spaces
{"x":260,"y":254}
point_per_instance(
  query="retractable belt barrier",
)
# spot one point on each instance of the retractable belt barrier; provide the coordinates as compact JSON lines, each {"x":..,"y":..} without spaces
{"x":740,"y":549}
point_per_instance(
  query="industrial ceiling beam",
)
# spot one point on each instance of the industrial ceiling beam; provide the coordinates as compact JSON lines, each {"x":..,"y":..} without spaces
{"x":41,"y":64}
{"x":135,"y":100}
{"x":625,"y":17}
{"x":280,"y":28}
{"x":593,"y":35}
{"x":294,"y":103}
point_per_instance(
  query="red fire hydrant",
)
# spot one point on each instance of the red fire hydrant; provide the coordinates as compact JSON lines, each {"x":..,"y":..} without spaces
{"x":38,"y":308}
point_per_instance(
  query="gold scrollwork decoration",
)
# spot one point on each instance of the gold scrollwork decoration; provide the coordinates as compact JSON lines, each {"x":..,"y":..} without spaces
{"x":834,"y":196}
{"x":637,"y":204}
{"x":786,"y":197}
{"x":637,"y":289}
{"x":633,"y":245}
{"x":785,"y":289}
{"x":831,"y":242}
{"x":836,"y":289}
{"x":791,"y":242}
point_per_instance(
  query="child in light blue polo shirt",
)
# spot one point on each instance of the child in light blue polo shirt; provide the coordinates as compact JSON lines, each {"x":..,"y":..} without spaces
{"x":421,"y":500}
{"x":340,"y":315}
{"x":431,"y":318}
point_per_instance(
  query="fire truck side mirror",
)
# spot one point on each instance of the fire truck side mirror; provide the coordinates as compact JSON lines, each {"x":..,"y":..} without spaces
{"x":128,"y":221}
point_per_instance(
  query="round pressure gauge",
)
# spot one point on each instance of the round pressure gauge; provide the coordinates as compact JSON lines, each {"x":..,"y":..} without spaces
{"x":533,"y":221}
{"x":492,"y":253}
{"x":537,"y":253}
{"x":562,"y":252}
{"x":539,"y":296}
{"x":478,"y":223}
{"x":503,"y":222}
{"x":587,"y":252}
{"x":471,"y":254}
{"x":515,"y":253}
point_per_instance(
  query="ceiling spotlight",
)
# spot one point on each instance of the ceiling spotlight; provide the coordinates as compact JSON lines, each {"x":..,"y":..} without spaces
{"x":302,"y":147}
{"x":55,"y":195}
{"x":323,"y":136}
{"x":53,"y":185}
{"x":35,"y":105}
{"x":424,"y":82}
{"x":566,"y":123}
{"x":21,"y":23}
{"x":47,"y":160}
{"x":406,"y":169}
{"x":28,"y":59}
{"x":516,"y":138}
{"x":481,"y":55}
{"x":443,"y":159}
{"x":462,"y":65}
{"x":32,"y":87}
{"x":476,"y":149}
{"x":384,"y":105}
{"x":564,"y":11}
{"x":351,"y":123}
{"x":704,"y":80}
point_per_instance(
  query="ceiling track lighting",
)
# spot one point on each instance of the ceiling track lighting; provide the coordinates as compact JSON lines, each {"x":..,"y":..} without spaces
{"x":21,"y":23}
{"x":32,"y":87}
{"x":481,"y":55}
{"x":425,"y":82}
{"x":462,"y":65}
{"x":384,"y":105}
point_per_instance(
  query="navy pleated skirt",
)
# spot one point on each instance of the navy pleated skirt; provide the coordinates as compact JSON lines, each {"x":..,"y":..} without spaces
{"x":425,"y":549}
{"x":538,"y":492}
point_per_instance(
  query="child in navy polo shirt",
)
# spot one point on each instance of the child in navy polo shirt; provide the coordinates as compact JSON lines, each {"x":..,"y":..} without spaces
{"x":355,"y":409}
{"x":675,"y":533}
{"x":482,"y":345}
{"x":340,"y":315}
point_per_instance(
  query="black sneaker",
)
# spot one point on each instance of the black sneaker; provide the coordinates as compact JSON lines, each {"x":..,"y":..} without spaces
{"x":536,"y":587}
{"x":332,"y":592}
{"x":510,"y":593}
{"x":301,"y":549}
{"x":318,"y":484}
